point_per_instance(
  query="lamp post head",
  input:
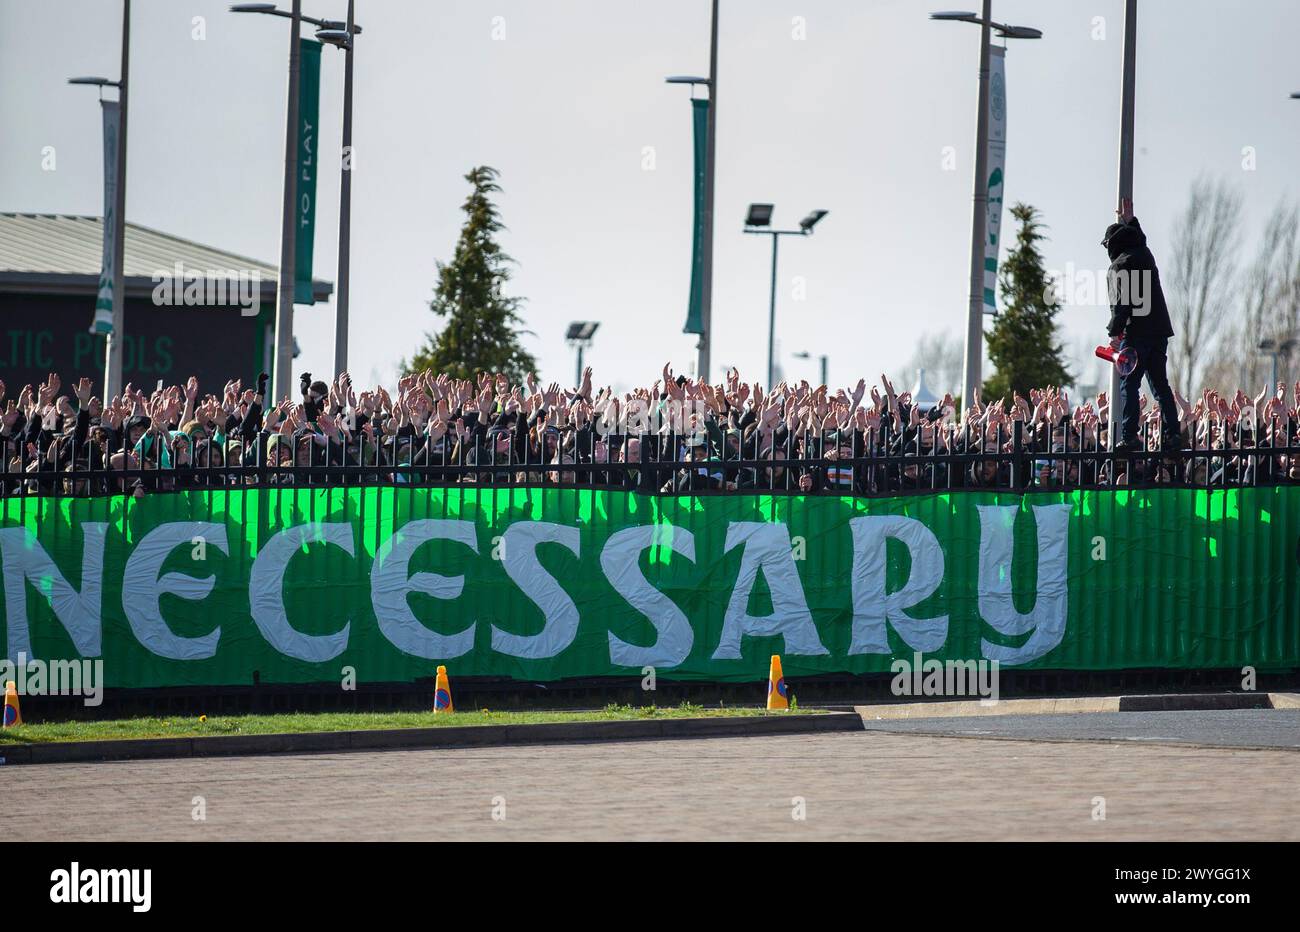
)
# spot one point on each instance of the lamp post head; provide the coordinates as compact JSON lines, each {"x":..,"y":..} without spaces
{"x":760,"y":215}
{"x":253,"y":8}
{"x":95,"y":82}
{"x":1019,"y":32}
{"x":340,"y":38}
{"x":1002,"y":29}
{"x":810,"y":221}
{"x":581,"y":331}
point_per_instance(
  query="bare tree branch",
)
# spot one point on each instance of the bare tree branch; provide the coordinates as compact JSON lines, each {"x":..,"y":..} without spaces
{"x":1201,"y":280}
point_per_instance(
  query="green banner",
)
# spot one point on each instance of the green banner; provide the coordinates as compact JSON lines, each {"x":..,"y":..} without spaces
{"x":695,"y":313}
{"x":293,"y":585}
{"x":308,"y":165}
{"x":103,"y":320}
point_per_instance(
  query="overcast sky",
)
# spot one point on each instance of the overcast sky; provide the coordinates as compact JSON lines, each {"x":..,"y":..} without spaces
{"x":854,"y":118}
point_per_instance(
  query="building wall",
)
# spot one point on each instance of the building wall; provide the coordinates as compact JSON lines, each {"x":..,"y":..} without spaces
{"x":42,"y":333}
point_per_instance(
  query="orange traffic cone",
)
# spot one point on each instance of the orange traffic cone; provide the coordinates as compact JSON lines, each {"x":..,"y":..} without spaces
{"x":12,"y":715}
{"x":442,"y":693}
{"x":778,"y":696}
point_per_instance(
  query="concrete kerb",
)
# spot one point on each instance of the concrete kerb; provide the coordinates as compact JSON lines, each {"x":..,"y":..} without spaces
{"x":1173,"y":702}
{"x":411,"y":738}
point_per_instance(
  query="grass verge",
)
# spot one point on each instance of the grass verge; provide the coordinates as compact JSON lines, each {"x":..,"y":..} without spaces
{"x":297,"y":722}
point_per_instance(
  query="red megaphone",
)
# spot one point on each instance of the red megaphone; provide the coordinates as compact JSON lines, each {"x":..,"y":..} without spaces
{"x":1125,"y":360}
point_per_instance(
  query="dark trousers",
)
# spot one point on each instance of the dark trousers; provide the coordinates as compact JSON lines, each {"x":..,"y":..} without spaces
{"x":1151,"y":364}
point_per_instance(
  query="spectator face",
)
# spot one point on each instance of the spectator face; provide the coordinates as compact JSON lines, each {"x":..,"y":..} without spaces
{"x":211,"y":456}
{"x":631,"y":452}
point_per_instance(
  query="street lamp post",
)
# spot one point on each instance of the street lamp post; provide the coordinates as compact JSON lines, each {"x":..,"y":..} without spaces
{"x":710,"y":173}
{"x":974,"y":361}
{"x":343,"y":38}
{"x":1128,"y":99}
{"x":116,"y":341}
{"x":759,"y":220}
{"x":283,"y":375}
{"x":1273,"y":349}
{"x":282,"y":386}
{"x":580,"y":334}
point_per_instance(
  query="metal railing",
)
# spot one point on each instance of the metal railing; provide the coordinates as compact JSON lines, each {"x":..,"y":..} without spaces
{"x":925,"y":458}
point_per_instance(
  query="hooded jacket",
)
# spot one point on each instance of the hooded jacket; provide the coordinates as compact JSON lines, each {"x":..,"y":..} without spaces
{"x":1137,"y":302}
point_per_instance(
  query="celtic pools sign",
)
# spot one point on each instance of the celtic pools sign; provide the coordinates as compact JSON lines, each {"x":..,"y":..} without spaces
{"x":292,"y":585}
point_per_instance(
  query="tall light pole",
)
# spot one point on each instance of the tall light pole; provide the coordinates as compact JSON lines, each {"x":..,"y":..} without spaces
{"x":1128,"y":98}
{"x":116,"y":340}
{"x":759,"y":220}
{"x":710,"y":174}
{"x":282,"y":385}
{"x":974,"y":361}
{"x":1273,"y":349}
{"x":343,"y":38}
{"x":579,"y":335}
{"x":711,"y":148}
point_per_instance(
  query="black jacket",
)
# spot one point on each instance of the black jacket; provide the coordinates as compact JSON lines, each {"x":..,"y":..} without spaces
{"x":1137,"y":302}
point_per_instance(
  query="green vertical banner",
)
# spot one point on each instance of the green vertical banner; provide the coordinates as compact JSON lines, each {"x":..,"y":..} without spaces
{"x":695,"y":314}
{"x":997,"y":166}
{"x":308,"y":133}
{"x":103,"y":321}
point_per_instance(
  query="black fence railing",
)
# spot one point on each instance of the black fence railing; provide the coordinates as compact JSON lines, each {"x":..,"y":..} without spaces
{"x":930,"y":457}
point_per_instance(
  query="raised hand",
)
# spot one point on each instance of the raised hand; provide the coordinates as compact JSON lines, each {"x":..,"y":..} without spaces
{"x":82,"y":391}
{"x":10,"y":417}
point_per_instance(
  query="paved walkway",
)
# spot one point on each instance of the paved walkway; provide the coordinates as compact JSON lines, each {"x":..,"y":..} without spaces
{"x":871,"y":785}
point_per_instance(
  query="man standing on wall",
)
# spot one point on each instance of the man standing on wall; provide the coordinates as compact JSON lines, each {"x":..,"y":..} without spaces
{"x":1139,"y":321}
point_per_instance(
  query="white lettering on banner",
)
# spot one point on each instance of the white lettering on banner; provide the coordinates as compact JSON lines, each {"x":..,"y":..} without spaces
{"x":391,"y":582}
{"x":1051,"y":604}
{"x":873,"y":607}
{"x":767,"y":548}
{"x":521,"y":565}
{"x":142,"y":589}
{"x":621,"y":561}
{"x":25,"y":560}
{"x":266,"y":591}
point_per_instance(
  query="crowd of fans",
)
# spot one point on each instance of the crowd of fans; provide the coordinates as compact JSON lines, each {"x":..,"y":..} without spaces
{"x":678,"y":435}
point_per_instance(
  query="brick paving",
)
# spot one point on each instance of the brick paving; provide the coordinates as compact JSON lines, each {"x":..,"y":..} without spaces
{"x":855,"y":786}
